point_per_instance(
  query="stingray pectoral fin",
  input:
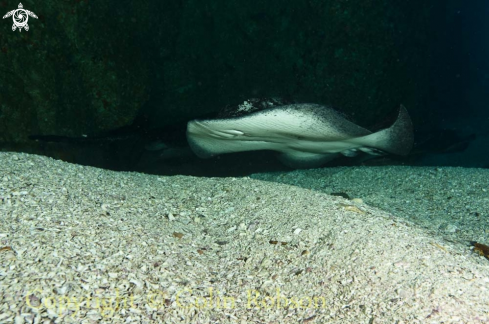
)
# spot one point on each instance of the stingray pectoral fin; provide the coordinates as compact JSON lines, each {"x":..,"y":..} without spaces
{"x":397,"y":139}
{"x":201,"y":148}
{"x":207,"y":139}
{"x":303,"y":160}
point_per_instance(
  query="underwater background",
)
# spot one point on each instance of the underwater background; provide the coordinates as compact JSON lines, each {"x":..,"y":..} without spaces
{"x":113,"y":84}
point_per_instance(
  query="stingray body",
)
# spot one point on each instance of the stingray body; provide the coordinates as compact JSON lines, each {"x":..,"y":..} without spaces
{"x":306,"y":135}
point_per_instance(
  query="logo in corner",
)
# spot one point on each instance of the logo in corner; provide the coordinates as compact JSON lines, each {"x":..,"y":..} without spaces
{"x":20,"y":17}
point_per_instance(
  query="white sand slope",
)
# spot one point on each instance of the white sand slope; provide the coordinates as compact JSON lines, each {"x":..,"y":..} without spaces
{"x":451,"y":202}
{"x":83,"y":245}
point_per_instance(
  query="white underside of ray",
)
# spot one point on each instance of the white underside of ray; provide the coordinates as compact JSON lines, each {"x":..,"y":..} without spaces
{"x":277,"y":130}
{"x":304,"y":137}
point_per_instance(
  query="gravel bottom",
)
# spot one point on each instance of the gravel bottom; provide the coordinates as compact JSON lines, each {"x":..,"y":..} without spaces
{"x":451,"y":202}
{"x":84,"y":245}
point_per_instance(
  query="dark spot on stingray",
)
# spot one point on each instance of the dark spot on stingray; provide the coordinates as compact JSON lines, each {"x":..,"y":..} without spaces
{"x":252,"y":105}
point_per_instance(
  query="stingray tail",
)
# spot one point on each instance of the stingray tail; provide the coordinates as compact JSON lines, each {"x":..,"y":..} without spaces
{"x":397,"y":139}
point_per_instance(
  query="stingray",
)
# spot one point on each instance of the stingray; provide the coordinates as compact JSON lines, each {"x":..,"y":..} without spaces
{"x":305,"y":135}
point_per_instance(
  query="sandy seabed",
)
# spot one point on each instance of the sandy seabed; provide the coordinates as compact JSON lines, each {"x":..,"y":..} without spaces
{"x":85,"y":245}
